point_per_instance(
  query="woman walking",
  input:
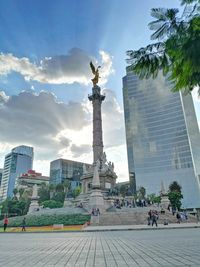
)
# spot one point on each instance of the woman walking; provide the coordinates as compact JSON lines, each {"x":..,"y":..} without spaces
{"x":5,"y":223}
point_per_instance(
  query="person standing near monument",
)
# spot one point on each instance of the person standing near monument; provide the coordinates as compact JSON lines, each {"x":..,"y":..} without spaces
{"x":24,"y":225}
{"x":5,"y":223}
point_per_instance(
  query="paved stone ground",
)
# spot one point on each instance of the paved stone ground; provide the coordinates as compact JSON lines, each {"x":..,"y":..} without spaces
{"x":174,"y":247}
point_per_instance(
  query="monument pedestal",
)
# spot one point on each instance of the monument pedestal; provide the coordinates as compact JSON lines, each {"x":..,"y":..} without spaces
{"x":107,"y":181}
{"x":34,"y":206}
{"x":164,"y":202}
{"x":96,"y":200}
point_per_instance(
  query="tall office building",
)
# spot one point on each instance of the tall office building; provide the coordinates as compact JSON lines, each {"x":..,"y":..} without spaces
{"x":62,"y":169}
{"x":1,"y":174}
{"x":163,"y":140}
{"x":19,"y":161}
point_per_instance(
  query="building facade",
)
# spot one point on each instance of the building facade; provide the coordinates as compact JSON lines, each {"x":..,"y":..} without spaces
{"x":163,"y":140}
{"x":62,"y":169}
{"x":1,"y":174}
{"x":30,"y":178}
{"x":19,"y":161}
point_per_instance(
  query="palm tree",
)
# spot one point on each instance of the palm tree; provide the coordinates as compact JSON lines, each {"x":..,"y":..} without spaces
{"x":21,"y":192}
{"x":66,"y":185}
{"x":177,"y":51}
{"x":15,"y":191}
{"x":51,"y":190}
{"x":166,"y":22}
{"x":59,"y":188}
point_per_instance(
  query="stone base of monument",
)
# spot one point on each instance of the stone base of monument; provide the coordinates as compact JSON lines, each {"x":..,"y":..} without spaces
{"x":96,"y":200}
{"x":34,"y":206}
{"x":164,"y":203}
{"x":107,"y":181}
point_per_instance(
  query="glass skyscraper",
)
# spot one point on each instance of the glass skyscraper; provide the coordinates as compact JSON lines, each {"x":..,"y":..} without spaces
{"x":19,"y":161}
{"x":162,"y":134}
{"x":62,"y":169}
{"x":1,"y":174}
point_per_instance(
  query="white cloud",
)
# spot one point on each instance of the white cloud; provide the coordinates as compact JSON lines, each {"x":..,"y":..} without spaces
{"x":118,"y":155}
{"x":42,"y":166}
{"x":106,"y":68}
{"x":113,"y":121}
{"x":61,"y":69}
{"x":36,"y":119}
{"x":3,"y":97}
{"x":58,"y":129}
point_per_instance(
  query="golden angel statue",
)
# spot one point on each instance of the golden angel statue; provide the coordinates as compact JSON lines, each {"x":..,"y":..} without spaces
{"x":95,"y":72}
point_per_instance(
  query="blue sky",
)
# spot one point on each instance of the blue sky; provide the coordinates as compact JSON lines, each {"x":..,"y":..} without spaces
{"x":40,"y":42}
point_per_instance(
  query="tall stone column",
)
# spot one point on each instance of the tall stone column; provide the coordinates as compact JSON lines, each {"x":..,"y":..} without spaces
{"x":97,"y":99}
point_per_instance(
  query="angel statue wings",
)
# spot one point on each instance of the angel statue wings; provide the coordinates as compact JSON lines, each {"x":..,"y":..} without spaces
{"x":95,"y":72}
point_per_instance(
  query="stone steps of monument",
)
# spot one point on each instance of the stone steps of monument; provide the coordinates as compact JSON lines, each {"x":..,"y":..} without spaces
{"x":135,"y":218}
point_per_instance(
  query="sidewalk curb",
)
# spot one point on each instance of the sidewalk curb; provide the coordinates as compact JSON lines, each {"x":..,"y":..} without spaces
{"x":129,"y":228}
{"x":141,"y":229}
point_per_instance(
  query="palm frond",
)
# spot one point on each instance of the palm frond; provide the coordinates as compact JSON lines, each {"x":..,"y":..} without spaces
{"x":186,"y":2}
{"x":160,"y":33}
{"x":166,"y":23}
{"x":159,"y":13}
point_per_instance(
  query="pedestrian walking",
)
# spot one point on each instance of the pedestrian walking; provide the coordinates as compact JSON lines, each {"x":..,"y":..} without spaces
{"x":197,"y":217}
{"x":178,"y":217}
{"x":149,"y":217}
{"x":24,"y":225}
{"x":5,"y":223}
{"x":154,"y":219}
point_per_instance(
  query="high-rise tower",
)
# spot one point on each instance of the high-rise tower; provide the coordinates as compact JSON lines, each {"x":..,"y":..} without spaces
{"x":163,"y":140}
{"x":19,"y":161}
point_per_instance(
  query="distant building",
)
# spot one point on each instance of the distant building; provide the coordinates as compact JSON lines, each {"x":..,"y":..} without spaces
{"x":19,"y":161}
{"x":30,"y":178}
{"x":63,"y":169}
{"x":1,"y":174}
{"x":163,"y":140}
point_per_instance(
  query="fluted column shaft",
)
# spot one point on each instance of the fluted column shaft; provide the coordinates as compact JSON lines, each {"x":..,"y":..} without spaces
{"x":97,"y":99}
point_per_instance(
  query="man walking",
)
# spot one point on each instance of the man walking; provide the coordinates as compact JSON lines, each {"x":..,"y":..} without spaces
{"x":24,"y":225}
{"x":154,"y":219}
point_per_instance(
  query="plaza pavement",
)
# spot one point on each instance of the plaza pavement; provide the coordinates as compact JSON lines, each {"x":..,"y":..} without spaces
{"x":100,"y":228}
{"x":167,"y":248}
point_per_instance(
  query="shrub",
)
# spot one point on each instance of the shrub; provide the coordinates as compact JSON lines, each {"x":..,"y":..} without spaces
{"x":48,"y":219}
{"x":52,"y":204}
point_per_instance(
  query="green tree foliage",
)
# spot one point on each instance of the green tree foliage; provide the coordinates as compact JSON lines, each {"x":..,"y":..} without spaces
{"x":76,"y":192}
{"x":174,"y":186}
{"x":26,"y":195}
{"x":59,"y":197}
{"x":59,"y":188}
{"x":123,"y":190}
{"x":153,"y":198}
{"x":175,"y":195}
{"x":21,"y":192}
{"x":43,"y":193}
{"x":175,"y":199}
{"x":141,"y":192}
{"x":67,"y":186}
{"x":52,"y":204}
{"x":14,"y":207}
{"x":15,"y":191}
{"x":176,"y":51}
{"x":51,"y":190}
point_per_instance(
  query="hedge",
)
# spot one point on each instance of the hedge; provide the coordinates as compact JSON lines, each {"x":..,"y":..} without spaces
{"x":48,"y":219}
